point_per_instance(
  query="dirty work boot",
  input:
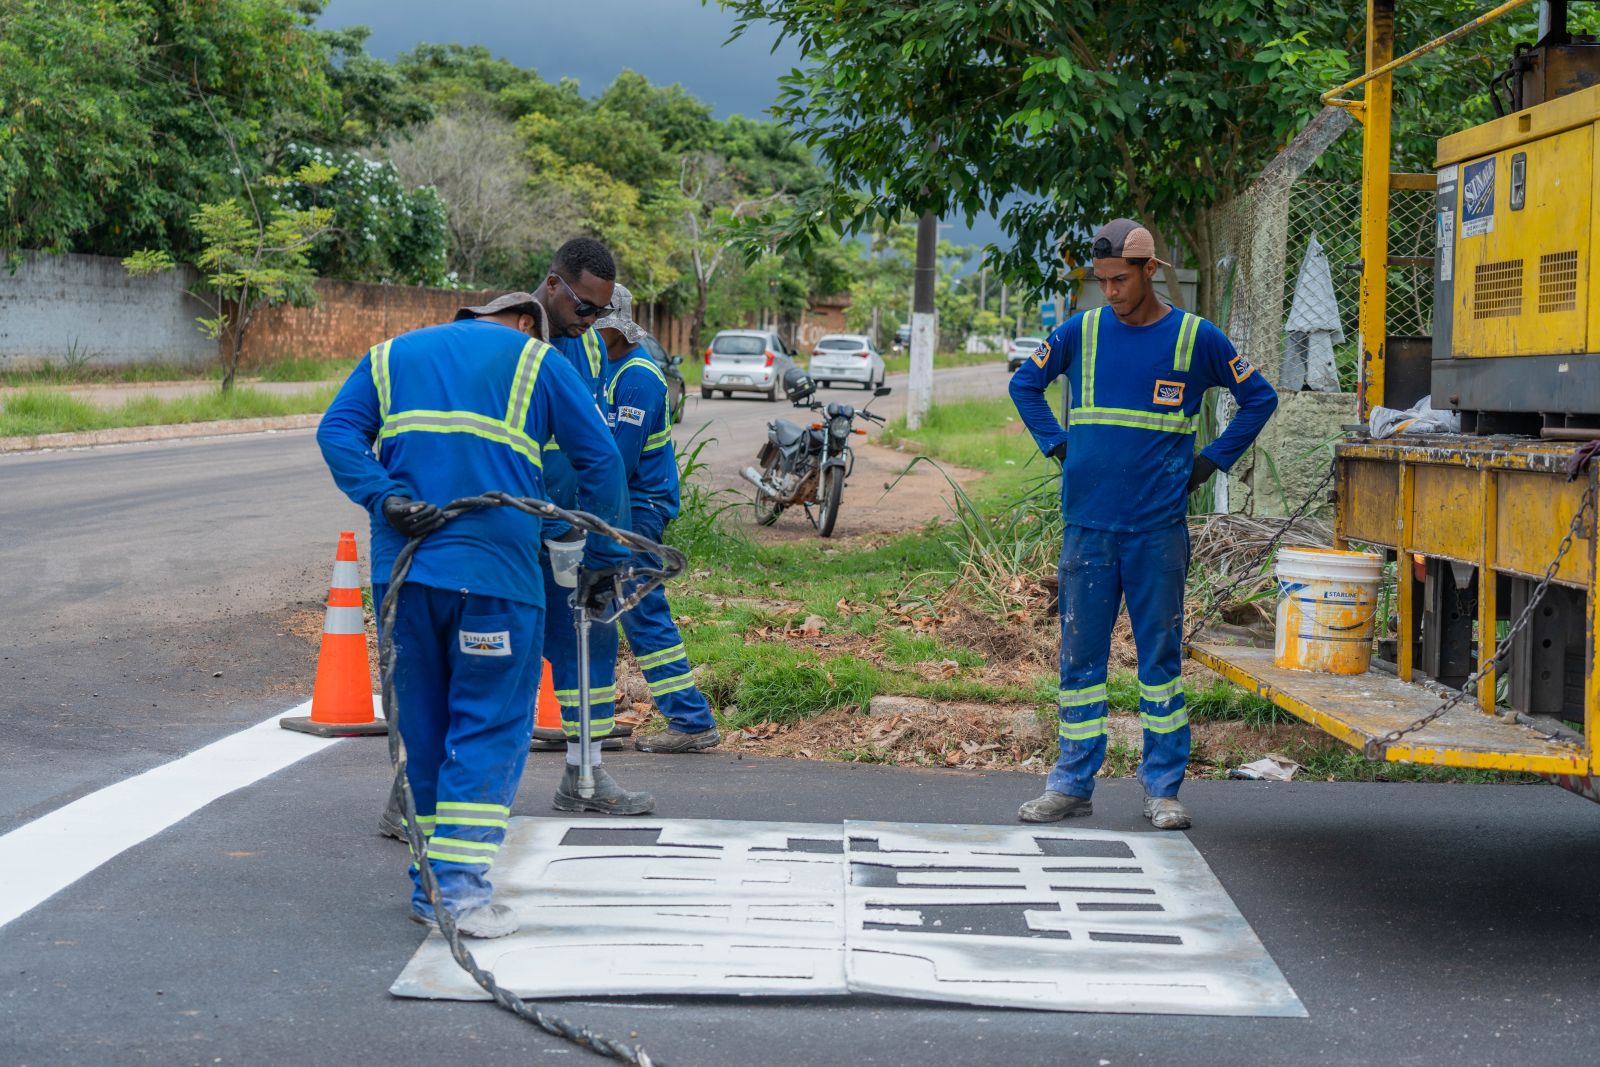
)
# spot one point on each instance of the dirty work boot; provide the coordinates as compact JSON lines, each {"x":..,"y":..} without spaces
{"x":678,"y":741}
{"x":486,"y":921}
{"x":1166,"y":813}
{"x":1053,"y":806}
{"x":609,"y":797}
{"x":392,"y":822}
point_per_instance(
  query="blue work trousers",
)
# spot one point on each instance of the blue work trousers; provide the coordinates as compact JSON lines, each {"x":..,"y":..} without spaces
{"x":466,"y":672}
{"x":1100,"y":569}
{"x":657,"y":646}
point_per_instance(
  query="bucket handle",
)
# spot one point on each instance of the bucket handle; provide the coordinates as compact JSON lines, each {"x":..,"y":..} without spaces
{"x":1356,"y":625}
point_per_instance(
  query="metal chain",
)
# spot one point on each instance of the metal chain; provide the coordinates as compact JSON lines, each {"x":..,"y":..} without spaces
{"x":1374,"y":749}
{"x":1250,"y":573}
{"x":673,"y":564}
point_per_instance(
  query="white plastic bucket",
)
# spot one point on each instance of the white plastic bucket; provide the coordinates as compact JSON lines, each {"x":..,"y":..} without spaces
{"x":1327,"y":601}
{"x":565,"y":556}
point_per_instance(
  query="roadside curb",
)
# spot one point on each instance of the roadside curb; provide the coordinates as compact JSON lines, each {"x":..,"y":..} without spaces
{"x":125,"y":435}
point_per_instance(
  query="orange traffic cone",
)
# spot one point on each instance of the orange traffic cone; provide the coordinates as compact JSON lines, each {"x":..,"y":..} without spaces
{"x":341,"y":703}
{"x":548,"y":736}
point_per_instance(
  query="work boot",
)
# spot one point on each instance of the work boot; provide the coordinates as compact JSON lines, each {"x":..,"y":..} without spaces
{"x":609,"y":797}
{"x":391,"y":824}
{"x":1166,"y":813}
{"x":485,"y":921}
{"x":678,"y":741}
{"x":1053,"y":807}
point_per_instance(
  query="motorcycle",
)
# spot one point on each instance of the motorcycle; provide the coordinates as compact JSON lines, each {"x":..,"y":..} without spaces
{"x":807,"y":466}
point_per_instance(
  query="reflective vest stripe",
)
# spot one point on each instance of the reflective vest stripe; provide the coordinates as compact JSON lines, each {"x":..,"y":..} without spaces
{"x":1087,"y":413}
{"x":1138,"y":420}
{"x":509,"y":431}
{"x":591,"y":347}
{"x":611,"y":390}
{"x":1091,"y":346}
{"x":1183,"y":353}
{"x":657,"y":440}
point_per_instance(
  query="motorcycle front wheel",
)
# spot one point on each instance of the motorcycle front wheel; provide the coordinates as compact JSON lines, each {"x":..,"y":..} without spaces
{"x":767,"y":507}
{"x":832,"y":493}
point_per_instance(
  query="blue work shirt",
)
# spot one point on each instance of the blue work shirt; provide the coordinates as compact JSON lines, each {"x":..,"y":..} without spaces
{"x":587,"y":356}
{"x":1136,"y":393}
{"x":637,"y":409}
{"x":470,"y":380}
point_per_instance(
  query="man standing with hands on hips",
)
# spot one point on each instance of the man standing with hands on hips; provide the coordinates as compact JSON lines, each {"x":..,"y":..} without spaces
{"x":1138,"y":370}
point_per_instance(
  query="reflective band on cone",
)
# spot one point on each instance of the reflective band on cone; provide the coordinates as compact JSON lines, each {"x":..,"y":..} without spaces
{"x":341,"y":703}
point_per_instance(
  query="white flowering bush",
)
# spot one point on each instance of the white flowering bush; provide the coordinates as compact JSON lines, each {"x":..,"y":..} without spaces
{"x":381,"y":231}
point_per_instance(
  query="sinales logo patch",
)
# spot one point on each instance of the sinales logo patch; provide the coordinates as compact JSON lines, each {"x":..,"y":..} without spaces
{"x":1241,"y":368}
{"x":485,"y":643}
{"x":1041,"y":355}
{"x":1169,"y":393}
{"x":633,"y":416}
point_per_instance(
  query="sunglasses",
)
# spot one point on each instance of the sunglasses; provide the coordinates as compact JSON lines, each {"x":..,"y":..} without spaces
{"x":584,"y":309}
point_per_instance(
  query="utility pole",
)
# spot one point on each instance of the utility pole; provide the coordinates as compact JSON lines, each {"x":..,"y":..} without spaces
{"x":983,"y":289}
{"x":1005,"y":291}
{"x":924,"y":321}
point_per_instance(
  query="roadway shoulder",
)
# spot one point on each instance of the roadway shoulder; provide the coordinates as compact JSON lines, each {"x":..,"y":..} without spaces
{"x":170,"y":432}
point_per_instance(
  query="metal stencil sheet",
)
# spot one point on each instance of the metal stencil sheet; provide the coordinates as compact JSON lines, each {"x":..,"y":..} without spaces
{"x":1044,"y":918}
{"x":1050,"y":918}
{"x":668,"y":906}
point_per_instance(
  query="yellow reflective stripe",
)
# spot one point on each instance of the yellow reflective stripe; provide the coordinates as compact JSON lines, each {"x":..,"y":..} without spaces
{"x":380,"y":376}
{"x":637,"y":361}
{"x":1091,"y":346}
{"x":596,"y":726}
{"x":1160,"y":422}
{"x":591,"y":346}
{"x":674,"y":684}
{"x":463,"y":805}
{"x":467,"y":844}
{"x":457,"y":857}
{"x":660,"y":659}
{"x":1075,"y":698}
{"x":568,"y":698}
{"x":1165,"y":724}
{"x":1160,"y":694}
{"x":522,"y":383}
{"x":1188,"y":329}
{"x":657,"y":440}
{"x":463,"y":422}
{"x":1087,"y":730}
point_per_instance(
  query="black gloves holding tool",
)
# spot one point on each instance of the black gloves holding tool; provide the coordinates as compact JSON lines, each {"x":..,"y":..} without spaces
{"x":597,"y":588}
{"x":413,"y":518}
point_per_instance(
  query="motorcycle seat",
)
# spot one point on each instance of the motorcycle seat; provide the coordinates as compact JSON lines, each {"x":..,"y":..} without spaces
{"x":787,"y":433}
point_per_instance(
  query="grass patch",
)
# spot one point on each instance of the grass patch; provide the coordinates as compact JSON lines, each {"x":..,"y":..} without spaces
{"x":39,"y":411}
{"x":72,"y":372}
{"x":304,"y":370}
{"x":900,"y":362}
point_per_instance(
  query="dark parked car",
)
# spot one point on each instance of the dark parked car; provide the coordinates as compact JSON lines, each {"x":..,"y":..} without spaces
{"x":676,"y":389}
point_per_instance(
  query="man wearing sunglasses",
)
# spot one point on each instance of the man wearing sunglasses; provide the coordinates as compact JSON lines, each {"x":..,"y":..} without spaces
{"x":577,"y":290}
{"x":1138,"y":369}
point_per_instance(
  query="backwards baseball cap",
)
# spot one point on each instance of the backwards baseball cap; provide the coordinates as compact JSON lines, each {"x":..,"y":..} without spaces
{"x":508,"y":302}
{"x":1124,"y":239}
{"x":621,"y":319}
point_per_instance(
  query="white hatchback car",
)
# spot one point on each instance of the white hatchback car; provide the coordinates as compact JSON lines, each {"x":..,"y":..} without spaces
{"x":745,"y":361}
{"x":846,"y":357}
{"x":1018,"y":349}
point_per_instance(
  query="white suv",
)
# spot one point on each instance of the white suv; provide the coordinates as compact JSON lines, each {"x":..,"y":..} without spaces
{"x":846,"y":357}
{"x":745,"y":361}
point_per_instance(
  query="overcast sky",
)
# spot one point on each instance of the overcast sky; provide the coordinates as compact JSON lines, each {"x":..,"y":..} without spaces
{"x":593,"y":40}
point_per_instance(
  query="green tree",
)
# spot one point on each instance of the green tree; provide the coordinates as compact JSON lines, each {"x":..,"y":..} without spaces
{"x":248,"y":260}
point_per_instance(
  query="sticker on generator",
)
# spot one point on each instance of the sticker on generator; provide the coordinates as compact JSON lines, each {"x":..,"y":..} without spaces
{"x":1477,"y":198}
{"x":485,"y":643}
{"x":1447,"y":244}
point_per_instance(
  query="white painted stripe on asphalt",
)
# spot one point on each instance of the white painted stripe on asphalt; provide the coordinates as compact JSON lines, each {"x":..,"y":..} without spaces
{"x":42,"y":858}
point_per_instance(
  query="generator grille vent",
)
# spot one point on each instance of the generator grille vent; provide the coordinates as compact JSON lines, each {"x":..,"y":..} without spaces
{"x":1497,"y":290}
{"x":1558,"y":282}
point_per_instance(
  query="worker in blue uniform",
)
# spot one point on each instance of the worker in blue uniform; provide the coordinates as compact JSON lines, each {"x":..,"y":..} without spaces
{"x":1138,"y":370}
{"x":455,"y":410}
{"x":578,"y":262}
{"x":636,"y":404}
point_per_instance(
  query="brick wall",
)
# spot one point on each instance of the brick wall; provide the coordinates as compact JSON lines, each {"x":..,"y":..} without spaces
{"x":351,"y":318}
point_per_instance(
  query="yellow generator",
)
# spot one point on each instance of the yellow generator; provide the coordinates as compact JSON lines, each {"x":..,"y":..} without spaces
{"x":1491,"y":531}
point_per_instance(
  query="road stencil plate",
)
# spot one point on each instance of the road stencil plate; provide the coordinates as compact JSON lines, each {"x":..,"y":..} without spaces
{"x":1079,"y":920}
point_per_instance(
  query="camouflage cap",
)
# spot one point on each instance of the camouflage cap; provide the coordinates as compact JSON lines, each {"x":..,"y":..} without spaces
{"x":508,"y":302}
{"x":621,"y":319}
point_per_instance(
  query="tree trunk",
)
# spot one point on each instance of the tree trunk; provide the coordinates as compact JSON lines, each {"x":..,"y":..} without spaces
{"x":697,"y":319}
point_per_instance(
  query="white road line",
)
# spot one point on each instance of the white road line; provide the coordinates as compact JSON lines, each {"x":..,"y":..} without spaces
{"x":42,"y":858}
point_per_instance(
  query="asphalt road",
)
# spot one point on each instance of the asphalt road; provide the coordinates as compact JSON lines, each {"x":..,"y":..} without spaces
{"x":1419,"y":924}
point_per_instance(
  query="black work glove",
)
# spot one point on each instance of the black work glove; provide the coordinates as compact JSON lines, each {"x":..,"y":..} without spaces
{"x":413,"y":518}
{"x":1058,"y":453}
{"x":1203,"y":470}
{"x":596,"y":588}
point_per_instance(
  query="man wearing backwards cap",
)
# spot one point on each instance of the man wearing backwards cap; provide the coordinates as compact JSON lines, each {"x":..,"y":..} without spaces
{"x":1138,"y":370}
{"x":636,"y":399}
{"x":455,"y":410}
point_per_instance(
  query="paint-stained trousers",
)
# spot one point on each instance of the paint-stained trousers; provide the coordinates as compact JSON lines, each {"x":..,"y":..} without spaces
{"x":466,"y":672}
{"x":1100,"y":569}
{"x":561,"y":649}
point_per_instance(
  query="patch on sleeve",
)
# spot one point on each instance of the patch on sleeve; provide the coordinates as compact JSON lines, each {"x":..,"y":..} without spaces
{"x":485,"y":643}
{"x":1169,"y":393}
{"x":633,"y":416}
{"x":1041,"y":355}
{"x":1241,"y":368}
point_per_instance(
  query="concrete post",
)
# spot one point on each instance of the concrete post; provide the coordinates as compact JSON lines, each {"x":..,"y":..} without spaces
{"x":924,"y":322}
